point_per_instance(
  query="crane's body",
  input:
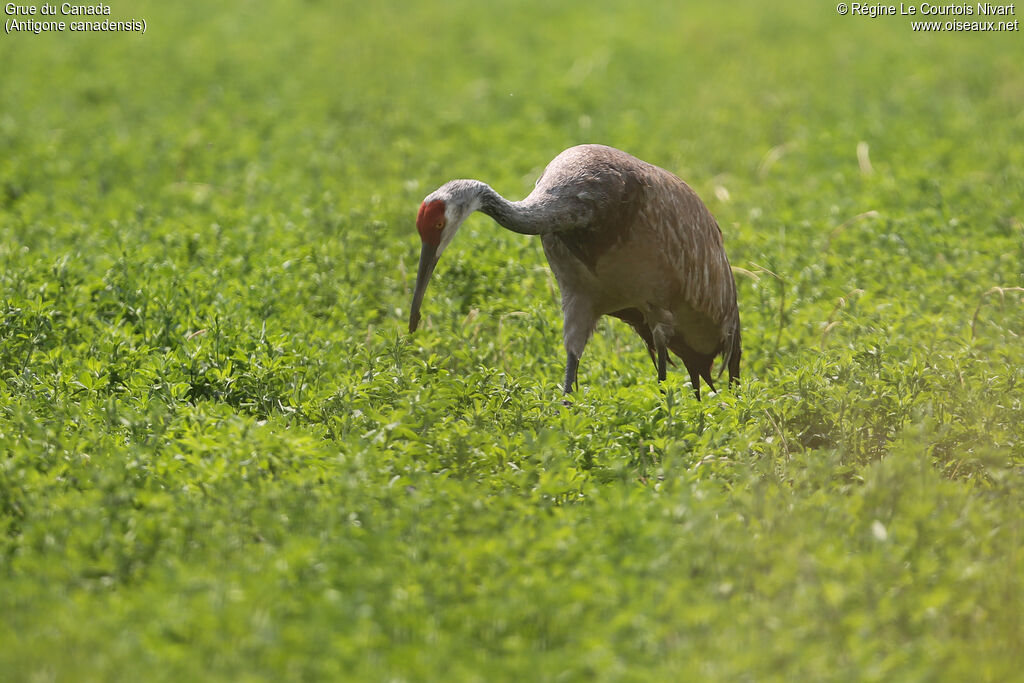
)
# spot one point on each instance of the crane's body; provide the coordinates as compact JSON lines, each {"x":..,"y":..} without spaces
{"x":624,"y":238}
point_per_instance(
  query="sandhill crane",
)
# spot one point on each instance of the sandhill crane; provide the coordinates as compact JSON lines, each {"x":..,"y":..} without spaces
{"x":624,"y":238}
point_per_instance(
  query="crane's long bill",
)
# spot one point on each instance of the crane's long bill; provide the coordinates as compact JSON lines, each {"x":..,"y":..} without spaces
{"x":428,"y":259}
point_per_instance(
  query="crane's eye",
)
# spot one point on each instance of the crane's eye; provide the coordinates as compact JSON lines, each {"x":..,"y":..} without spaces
{"x":440,"y":224}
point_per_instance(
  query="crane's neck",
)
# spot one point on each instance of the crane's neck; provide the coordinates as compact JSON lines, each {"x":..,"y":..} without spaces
{"x":541,"y":212}
{"x":535,"y":215}
{"x":518,"y":217}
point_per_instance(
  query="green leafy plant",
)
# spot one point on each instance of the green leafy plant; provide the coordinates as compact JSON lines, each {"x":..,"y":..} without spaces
{"x":223,"y":457}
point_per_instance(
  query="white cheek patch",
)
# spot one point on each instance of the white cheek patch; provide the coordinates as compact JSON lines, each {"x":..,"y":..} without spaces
{"x":454,"y":214}
{"x":446,"y":236}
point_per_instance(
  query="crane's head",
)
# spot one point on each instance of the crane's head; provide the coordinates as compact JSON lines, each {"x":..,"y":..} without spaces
{"x":440,"y":216}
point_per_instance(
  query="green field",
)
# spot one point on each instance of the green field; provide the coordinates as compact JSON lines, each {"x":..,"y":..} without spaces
{"x":223,"y":456}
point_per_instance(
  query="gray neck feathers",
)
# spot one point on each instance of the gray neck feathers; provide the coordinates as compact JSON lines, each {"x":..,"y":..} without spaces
{"x":524,"y":217}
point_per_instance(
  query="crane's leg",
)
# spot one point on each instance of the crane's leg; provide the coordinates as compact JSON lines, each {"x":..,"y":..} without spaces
{"x":579,"y":325}
{"x":662,"y":332}
{"x":734,"y":359}
{"x":635,"y":319}
{"x":572,"y":364}
{"x":695,"y":381}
